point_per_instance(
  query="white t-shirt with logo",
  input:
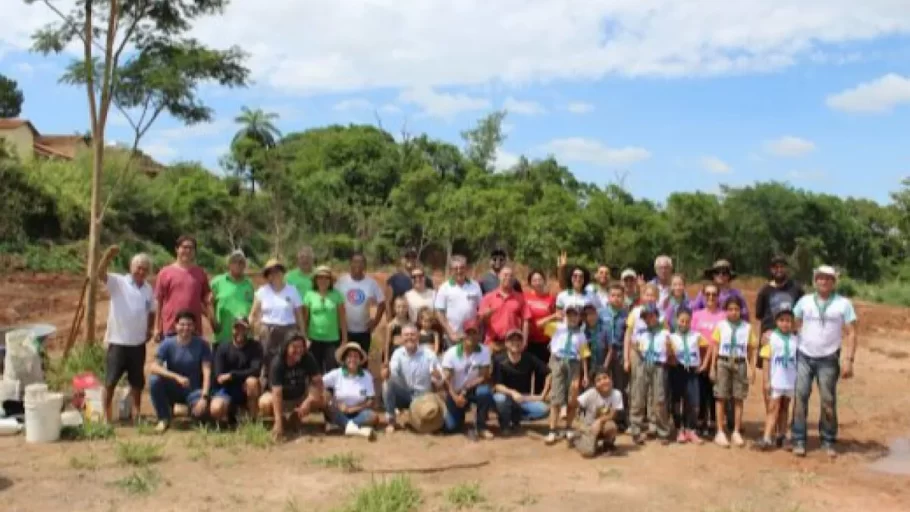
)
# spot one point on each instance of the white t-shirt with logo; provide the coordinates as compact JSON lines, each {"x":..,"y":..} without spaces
{"x":781,"y":354}
{"x":652,"y":345}
{"x":683,"y":343}
{"x":278,"y":307}
{"x":359,"y":297}
{"x":459,"y":302}
{"x":465,"y":367}
{"x":821,"y":337}
{"x":127,"y":323}
{"x":594,"y":404}
{"x":568,"y":343}
{"x":351,"y":390}
{"x":568,"y":298}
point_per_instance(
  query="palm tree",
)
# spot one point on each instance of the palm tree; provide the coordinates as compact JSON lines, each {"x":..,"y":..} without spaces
{"x":257,"y":132}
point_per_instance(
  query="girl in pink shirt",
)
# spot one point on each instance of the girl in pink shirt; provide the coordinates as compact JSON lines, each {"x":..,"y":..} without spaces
{"x":703,"y":322}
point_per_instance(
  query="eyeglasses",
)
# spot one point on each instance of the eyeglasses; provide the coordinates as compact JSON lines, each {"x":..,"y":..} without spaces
{"x":416,"y":276}
{"x":722,"y":272}
{"x":710,"y":294}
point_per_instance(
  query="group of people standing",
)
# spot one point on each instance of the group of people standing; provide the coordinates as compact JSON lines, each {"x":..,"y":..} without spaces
{"x":631,"y":355}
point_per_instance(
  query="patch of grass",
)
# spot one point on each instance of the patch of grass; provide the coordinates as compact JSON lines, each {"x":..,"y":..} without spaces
{"x":85,"y":357}
{"x":145,"y":428}
{"x":465,"y":495}
{"x":139,"y":482}
{"x":255,"y":434}
{"x":88,"y":431}
{"x":139,"y":454}
{"x":398,"y":494}
{"x":85,"y":462}
{"x":347,"y":462}
{"x":895,"y":292}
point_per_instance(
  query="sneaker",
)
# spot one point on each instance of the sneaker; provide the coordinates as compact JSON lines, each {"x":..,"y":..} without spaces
{"x":780,"y":441}
{"x":486,"y":435}
{"x":720,"y":439}
{"x":351,"y":429}
{"x":472,"y":435}
{"x":799,"y":449}
{"x":829,"y":450}
{"x":681,"y":437}
{"x":664,"y":441}
{"x":737,"y":439}
{"x":569,"y":435}
{"x":693,"y":438}
{"x":390,"y":429}
{"x":506,"y":432}
{"x":551,"y":438}
{"x":161,"y":427}
{"x":638,"y":439}
{"x":764,"y":444}
{"x":368,"y":433}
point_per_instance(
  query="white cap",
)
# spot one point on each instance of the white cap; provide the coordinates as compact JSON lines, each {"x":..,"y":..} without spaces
{"x":628,"y":273}
{"x":824,"y":270}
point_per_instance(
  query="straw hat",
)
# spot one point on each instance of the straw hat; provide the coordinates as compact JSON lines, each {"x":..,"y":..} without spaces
{"x":427,"y":413}
{"x":719,"y":265}
{"x":323,"y":270}
{"x":270,"y":265}
{"x":342,"y":350}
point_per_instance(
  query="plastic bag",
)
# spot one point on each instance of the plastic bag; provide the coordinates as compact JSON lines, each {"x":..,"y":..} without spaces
{"x":23,"y":358}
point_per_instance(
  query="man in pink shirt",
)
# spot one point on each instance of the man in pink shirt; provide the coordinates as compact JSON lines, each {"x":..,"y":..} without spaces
{"x":503,"y":310}
{"x":182,"y":285}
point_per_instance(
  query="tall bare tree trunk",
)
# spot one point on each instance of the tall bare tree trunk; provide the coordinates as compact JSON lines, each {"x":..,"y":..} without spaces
{"x":94,"y":238}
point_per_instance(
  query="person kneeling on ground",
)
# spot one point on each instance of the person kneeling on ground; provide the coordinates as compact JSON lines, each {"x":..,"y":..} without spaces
{"x":410,"y":373}
{"x":467,"y":374}
{"x":181,"y":372}
{"x":237,"y":368}
{"x":599,"y":406}
{"x":294,"y":385}
{"x":513,"y":372}
{"x":351,"y":392}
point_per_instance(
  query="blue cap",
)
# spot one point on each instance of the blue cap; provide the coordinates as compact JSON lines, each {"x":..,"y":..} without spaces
{"x":649,"y":309}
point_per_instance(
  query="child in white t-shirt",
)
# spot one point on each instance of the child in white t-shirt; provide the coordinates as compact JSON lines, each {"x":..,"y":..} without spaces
{"x":649,"y":377}
{"x":779,"y":351}
{"x":599,"y":406}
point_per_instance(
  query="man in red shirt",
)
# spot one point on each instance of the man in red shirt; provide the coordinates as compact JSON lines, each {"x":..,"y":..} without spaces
{"x":182,"y":285}
{"x":503,"y":310}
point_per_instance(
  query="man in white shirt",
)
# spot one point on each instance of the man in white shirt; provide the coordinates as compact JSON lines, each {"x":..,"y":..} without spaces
{"x":130,"y":325}
{"x":361,"y":293}
{"x":826,"y":320}
{"x":411,"y":372}
{"x":663,"y":270}
{"x":457,"y":300}
{"x":467,"y":368}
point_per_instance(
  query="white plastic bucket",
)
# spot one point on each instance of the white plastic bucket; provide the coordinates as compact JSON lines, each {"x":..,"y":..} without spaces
{"x":42,"y":415}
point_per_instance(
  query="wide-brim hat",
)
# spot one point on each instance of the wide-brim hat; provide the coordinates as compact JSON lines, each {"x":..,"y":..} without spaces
{"x":323,"y":270}
{"x":344,"y":349}
{"x":427,"y":413}
{"x":272,"y":264}
{"x":628,"y":273}
{"x":719,"y":265}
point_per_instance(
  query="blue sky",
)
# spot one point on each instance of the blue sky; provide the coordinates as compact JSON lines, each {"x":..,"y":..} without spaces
{"x":671,"y":96}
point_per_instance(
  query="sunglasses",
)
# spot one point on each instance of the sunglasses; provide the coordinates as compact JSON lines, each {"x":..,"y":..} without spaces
{"x":723,"y":272}
{"x":710,"y":294}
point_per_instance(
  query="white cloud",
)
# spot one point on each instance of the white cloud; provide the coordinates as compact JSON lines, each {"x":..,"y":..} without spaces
{"x":524,"y":108}
{"x":789,"y":146}
{"x":296,"y":46}
{"x":390,"y":108}
{"x":160,"y":150}
{"x":715,"y":165}
{"x":580,"y":107}
{"x":580,"y":149}
{"x":504,"y":160}
{"x":442,"y":105}
{"x":353,"y":104}
{"x":878,"y":96}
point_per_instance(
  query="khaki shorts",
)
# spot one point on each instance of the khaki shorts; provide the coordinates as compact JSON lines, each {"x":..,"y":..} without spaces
{"x":586,"y":444}
{"x":732,"y":379}
{"x":564,"y":372}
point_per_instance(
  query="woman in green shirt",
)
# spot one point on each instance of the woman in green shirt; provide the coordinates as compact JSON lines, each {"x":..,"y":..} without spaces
{"x":324,"y":319}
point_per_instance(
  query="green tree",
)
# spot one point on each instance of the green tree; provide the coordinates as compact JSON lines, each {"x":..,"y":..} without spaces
{"x":257,"y":131}
{"x":10,"y":97}
{"x":134,"y":52}
{"x":482,"y":141}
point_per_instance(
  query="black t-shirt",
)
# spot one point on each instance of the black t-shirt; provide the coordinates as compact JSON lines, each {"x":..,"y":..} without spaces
{"x":517,"y":376}
{"x":240,"y":362}
{"x":770,"y":298}
{"x":401,"y":283}
{"x":293,"y":379}
{"x":490,"y":282}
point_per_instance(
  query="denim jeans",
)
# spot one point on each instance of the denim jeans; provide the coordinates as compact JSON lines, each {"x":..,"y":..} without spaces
{"x":684,"y":397}
{"x":360,"y":419}
{"x":165,"y":393}
{"x":511,"y":413}
{"x":826,"y":372}
{"x":481,"y":397}
{"x":397,"y":395}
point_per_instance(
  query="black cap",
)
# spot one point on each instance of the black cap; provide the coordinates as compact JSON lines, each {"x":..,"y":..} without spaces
{"x":783,"y":308}
{"x":779,"y":259}
{"x":499,"y":251}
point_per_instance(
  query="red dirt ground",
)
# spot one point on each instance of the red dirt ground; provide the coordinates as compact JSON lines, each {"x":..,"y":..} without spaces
{"x":522,"y":474}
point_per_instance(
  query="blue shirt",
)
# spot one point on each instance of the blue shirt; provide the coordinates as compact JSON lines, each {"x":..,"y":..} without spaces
{"x":613,"y":327}
{"x":185,"y":360}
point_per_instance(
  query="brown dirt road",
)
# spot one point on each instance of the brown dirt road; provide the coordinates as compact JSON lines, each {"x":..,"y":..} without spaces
{"x":522,"y":474}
